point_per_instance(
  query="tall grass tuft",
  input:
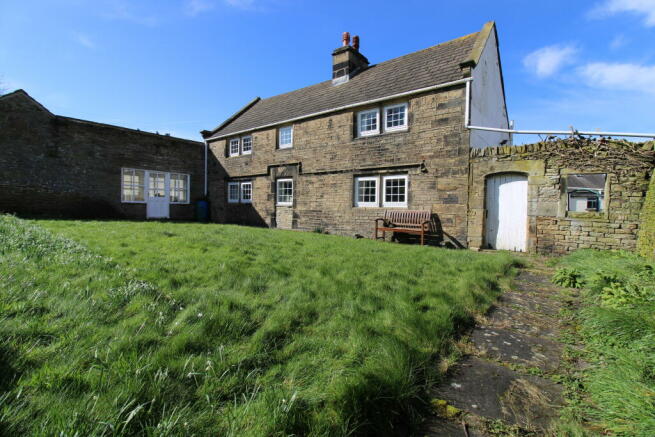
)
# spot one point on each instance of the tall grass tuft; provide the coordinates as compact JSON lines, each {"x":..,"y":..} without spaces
{"x":124,"y":328}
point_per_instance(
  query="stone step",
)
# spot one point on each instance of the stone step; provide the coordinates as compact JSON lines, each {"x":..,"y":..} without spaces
{"x":496,"y":392}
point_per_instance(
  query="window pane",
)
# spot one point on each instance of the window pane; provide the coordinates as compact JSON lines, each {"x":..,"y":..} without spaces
{"x":395,"y":116}
{"x":368,"y":121}
{"x":285,"y":136}
{"x":233,"y":192}
{"x":246,"y":192}
{"x":156,"y":185}
{"x":285,"y":191}
{"x":395,"y":190}
{"x":246,"y":144}
{"x":234,"y":147}
{"x":586,"y":192}
{"x":366,"y":192}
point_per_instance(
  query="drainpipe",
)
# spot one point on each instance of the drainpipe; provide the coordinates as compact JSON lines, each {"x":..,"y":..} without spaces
{"x":544,"y":132}
{"x":206,"y":147}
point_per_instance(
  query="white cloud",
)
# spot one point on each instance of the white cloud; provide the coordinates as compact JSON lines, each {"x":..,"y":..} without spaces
{"x":640,"y":7}
{"x":195,"y":7}
{"x":84,"y":40}
{"x":546,"y":61}
{"x":243,"y":4}
{"x":123,"y":11}
{"x":618,"y":76}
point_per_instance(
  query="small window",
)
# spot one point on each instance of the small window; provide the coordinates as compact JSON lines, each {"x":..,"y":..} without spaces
{"x":395,"y":117}
{"x":156,"y":184}
{"x":133,"y":185}
{"x":395,"y":191}
{"x":366,"y":191}
{"x":179,"y":188}
{"x":367,"y":123}
{"x":246,"y":145}
{"x":233,"y":192}
{"x":285,"y":191}
{"x":285,"y":137}
{"x":234,"y":147}
{"x":246,"y":192}
{"x":586,"y":192}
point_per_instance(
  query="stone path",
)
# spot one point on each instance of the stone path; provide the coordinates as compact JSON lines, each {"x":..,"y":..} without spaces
{"x":505,"y":384}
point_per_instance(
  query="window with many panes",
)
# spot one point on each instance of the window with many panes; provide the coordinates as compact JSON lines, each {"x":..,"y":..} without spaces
{"x":246,"y":145}
{"x":395,"y":117}
{"x":233,"y":192}
{"x":246,"y":192}
{"x":285,"y":191}
{"x":366,"y":191}
{"x":285,"y":137}
{"x":179,"y":188}
{"x":394,"y":191}
{"x":367,"y":122}
{"x":156,"y":184}
{"x":133,"y":185}
{"x":234,"y":147}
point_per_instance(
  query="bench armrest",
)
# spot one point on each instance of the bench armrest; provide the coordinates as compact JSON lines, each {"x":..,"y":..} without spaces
{"x":426,"y":225}
{"x":378,"y":220}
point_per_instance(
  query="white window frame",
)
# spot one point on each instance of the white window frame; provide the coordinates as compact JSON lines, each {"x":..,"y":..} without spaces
{"x":277,"y":192}
{"x":241,"y":192}
{"x":243,"y":150}
{"x":238,"y":143}
{"x":132,"y":171}
{"x":171,"y":190}
{"x":230,"y":199}
{"x":367,"y":133}
{"x":396,"y":128}
{"x":288,"y":145}
{"x":386,"y":204}
{"x":376,"y":202}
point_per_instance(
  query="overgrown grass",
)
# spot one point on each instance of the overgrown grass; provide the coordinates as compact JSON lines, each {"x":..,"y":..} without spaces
{"x":617,"y":325}
{"x":124,"y":328}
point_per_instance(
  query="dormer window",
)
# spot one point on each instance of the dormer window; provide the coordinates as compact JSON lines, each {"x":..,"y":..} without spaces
{"x":368,"y":122}
{"x":285,"y":137}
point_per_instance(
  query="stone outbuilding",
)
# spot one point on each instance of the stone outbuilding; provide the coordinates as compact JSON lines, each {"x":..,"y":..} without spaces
{"x":57,"y":166}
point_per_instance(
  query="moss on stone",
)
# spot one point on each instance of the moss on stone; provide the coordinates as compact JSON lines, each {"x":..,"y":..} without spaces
{"x":646,"y":241}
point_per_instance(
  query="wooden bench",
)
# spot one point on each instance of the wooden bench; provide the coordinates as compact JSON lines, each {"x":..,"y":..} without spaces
{"x":407,"y":222}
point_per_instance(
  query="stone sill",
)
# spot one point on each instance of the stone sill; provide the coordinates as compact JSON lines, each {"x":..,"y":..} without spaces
{"x":591,"y":216}
{"x":382,"y":134}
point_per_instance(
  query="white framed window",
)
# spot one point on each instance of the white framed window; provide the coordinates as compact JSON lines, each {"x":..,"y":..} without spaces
{"x":366,"y":191}
{"x":285,"y":191}
{"x":179,"y":188}
{"x":133,"y":185}
{"x":368,"y":122}
{"x":156,"y":184}
{"x":234,"y":147}
{"x":394,"y":191}
{"x":395,"y":117}
{"x":233,"y":192}
{"x":285,"y":137}
{"x":246,"y":192}
{"x":246,"y":145}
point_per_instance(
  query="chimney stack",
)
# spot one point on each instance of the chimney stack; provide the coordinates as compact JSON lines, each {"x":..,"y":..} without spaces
{"x":347,"y":61}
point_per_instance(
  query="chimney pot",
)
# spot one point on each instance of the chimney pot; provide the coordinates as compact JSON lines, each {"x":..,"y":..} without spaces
{"x":356,"y":42}
{"x":346,"y":38}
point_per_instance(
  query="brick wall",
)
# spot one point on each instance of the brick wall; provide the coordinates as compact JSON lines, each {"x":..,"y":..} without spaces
{"x":57,"y":166}
{"x":553,"y":229}
{"x":326,"y":156}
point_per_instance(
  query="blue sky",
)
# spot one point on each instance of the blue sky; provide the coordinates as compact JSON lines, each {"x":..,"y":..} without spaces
{"x":179,"y":66}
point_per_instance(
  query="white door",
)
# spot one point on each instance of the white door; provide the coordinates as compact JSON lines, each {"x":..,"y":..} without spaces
{"x":507,"y":212}
{"x":157,"y":202}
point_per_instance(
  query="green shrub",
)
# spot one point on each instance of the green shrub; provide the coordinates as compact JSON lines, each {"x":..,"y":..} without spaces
{"x":569,"y":278}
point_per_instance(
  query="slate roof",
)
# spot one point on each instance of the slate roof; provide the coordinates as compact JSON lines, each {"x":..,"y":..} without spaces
{"x":432,"y":66}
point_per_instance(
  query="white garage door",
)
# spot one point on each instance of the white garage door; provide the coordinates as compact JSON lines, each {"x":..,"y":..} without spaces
{"x":507,"y":212}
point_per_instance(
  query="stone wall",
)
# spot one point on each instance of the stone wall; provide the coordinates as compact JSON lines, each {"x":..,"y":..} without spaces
{"x":326,"y":157}
{"x":551,"y":228}
{"x":62,"y":167}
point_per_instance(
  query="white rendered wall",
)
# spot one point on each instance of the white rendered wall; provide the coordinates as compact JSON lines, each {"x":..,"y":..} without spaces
{"x":487,"y":102}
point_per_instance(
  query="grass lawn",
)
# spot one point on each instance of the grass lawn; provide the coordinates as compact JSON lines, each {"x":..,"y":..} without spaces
{"x":133,"y":328}
{"x":617,"y":326}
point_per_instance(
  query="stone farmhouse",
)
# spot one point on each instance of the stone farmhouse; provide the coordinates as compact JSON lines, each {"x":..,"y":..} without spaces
{"x":336,"y":155}
{"x":57,"y":166}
